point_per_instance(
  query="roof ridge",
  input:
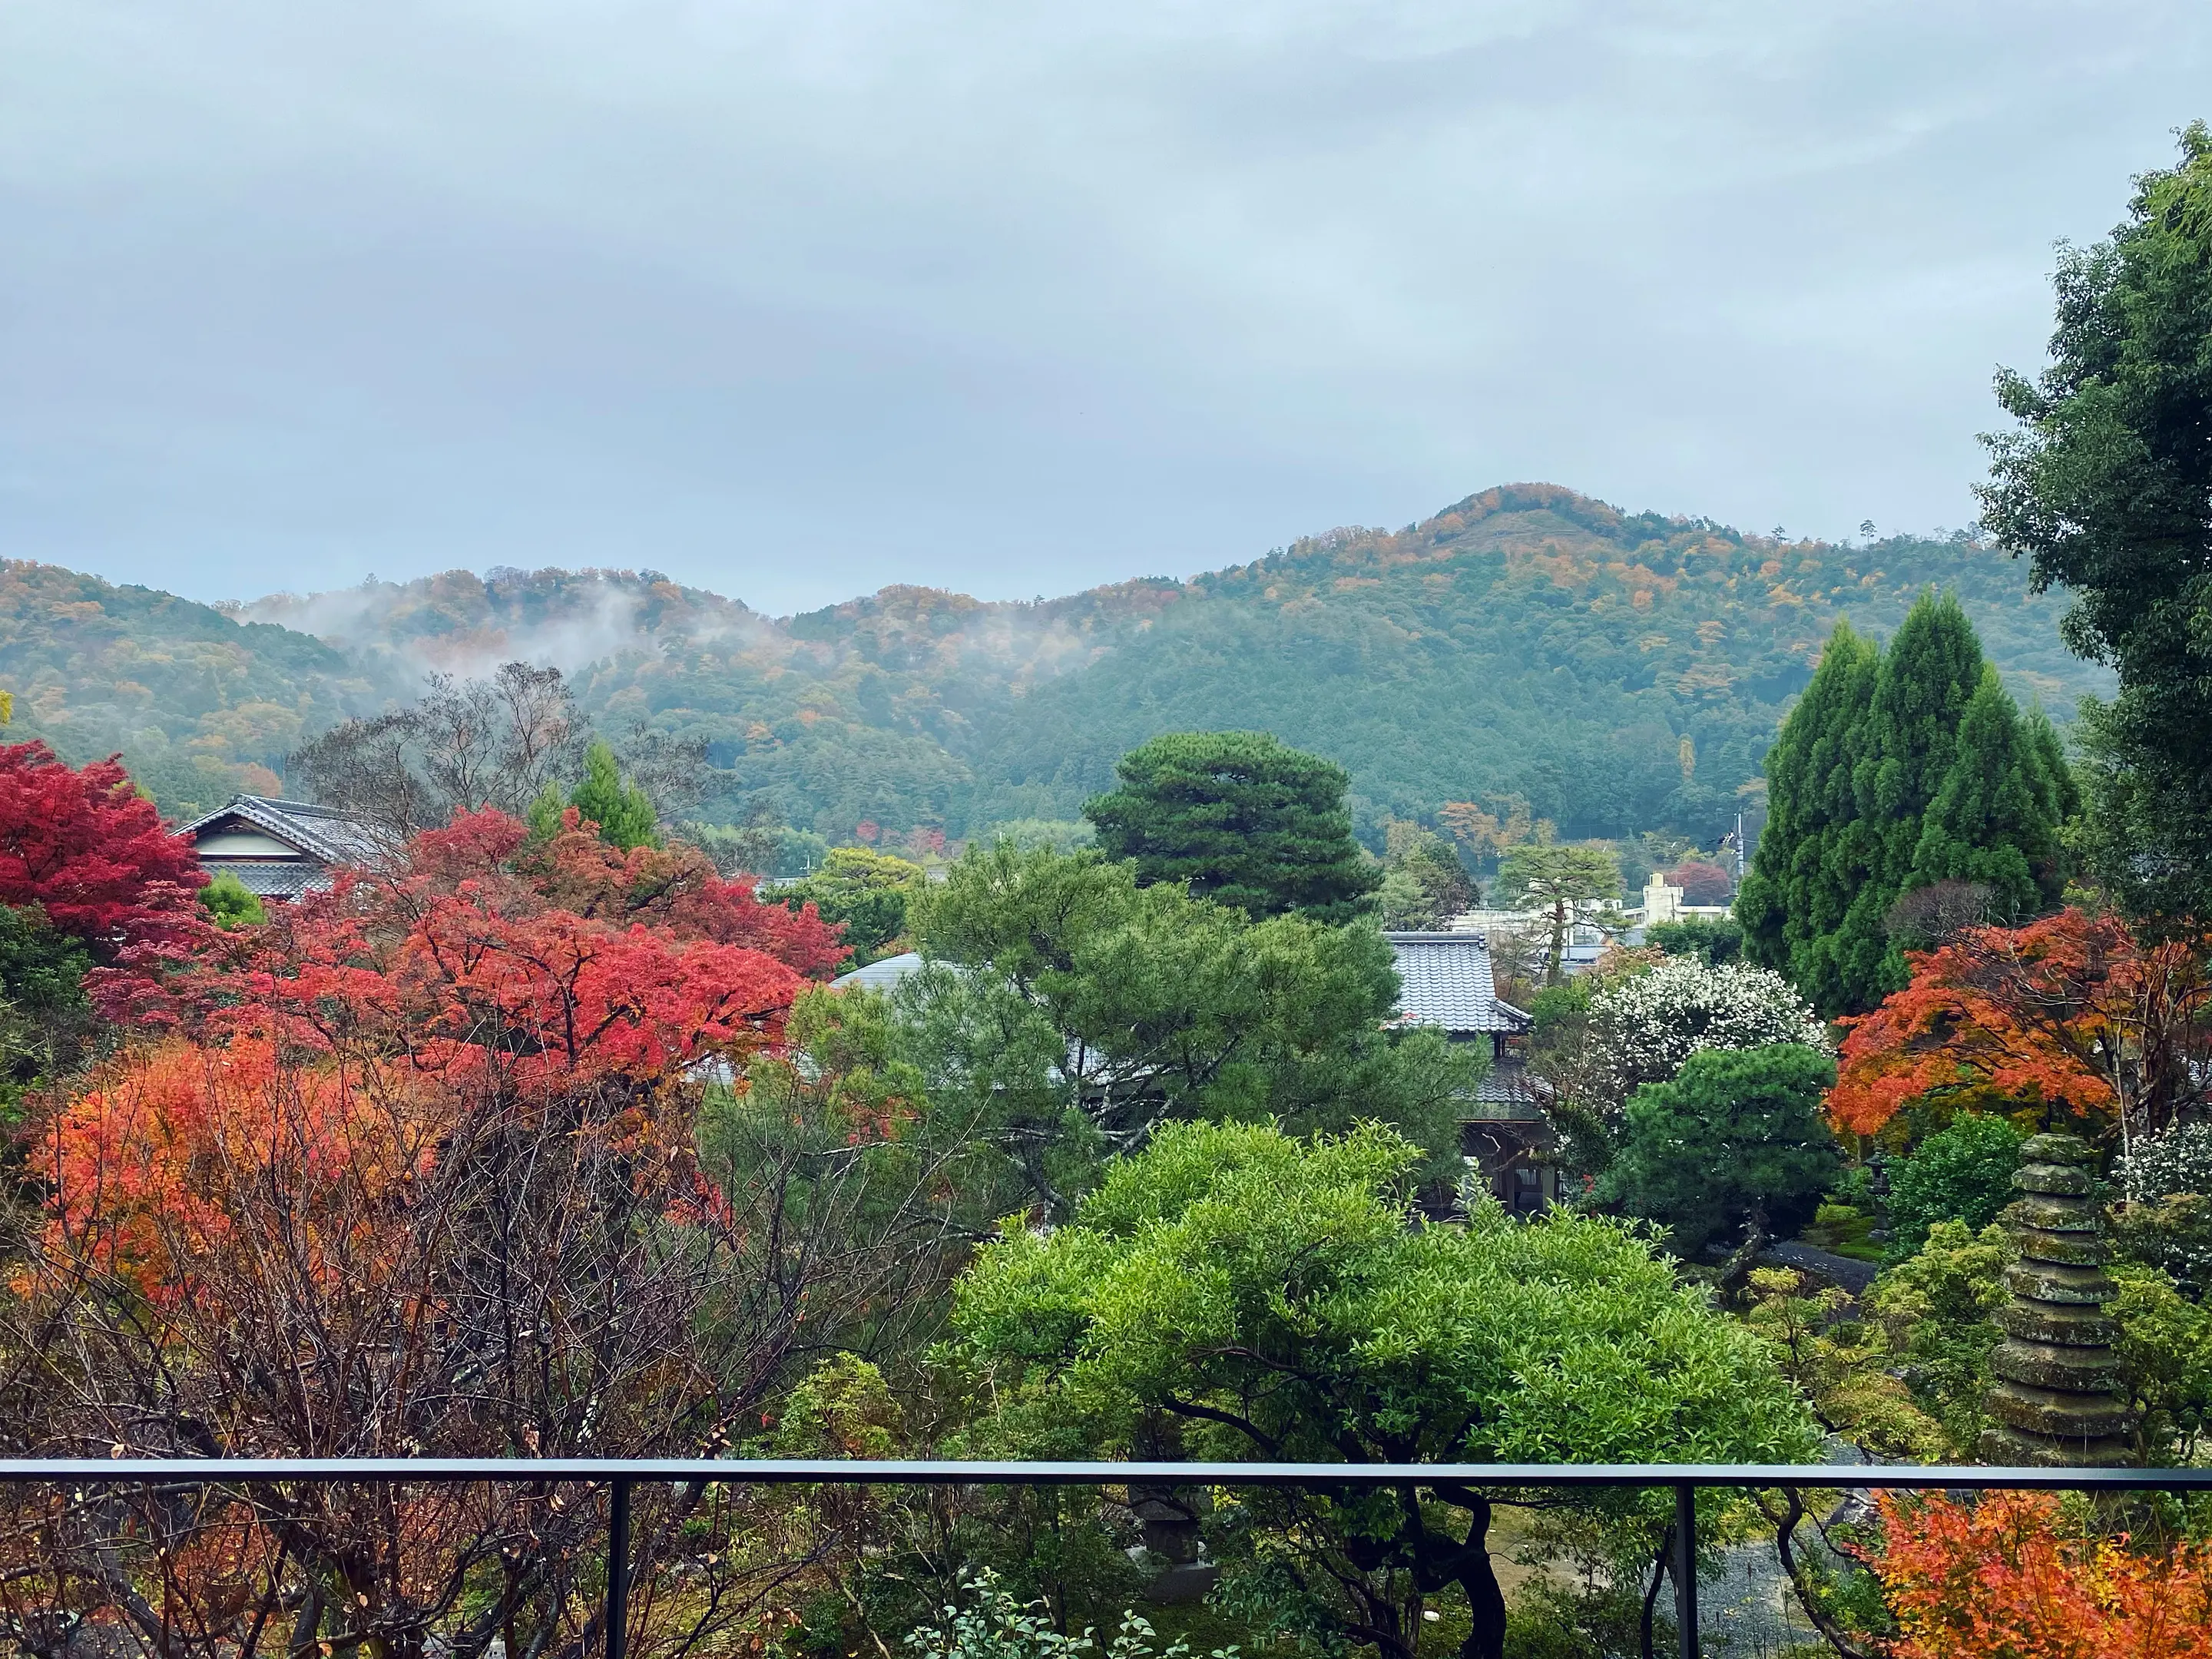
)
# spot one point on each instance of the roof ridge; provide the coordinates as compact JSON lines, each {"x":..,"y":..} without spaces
{"x":299,"y":821}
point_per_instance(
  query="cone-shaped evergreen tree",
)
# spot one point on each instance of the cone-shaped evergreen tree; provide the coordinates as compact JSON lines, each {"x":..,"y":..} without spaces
{"x":1992,"y":820}
{"x":1896,"y":770}
{"x":1815,"y":853}
{"x":1929,"y":673}
{"x":623,"y":811}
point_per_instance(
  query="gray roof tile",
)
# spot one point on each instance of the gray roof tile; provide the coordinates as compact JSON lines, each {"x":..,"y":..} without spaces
{"x":1446,"y":982}
{"x":880,"y":976}
{"x":324,"y":832}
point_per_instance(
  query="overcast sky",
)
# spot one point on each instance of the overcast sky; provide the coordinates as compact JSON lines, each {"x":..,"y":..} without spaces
{"x":794,"y":300}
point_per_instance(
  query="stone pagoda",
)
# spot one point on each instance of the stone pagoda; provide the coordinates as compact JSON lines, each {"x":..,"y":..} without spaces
{"x":2056,"y":1399}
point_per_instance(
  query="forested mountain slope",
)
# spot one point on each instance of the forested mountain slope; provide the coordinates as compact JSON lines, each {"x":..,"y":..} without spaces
{"x":1526,"y":640}
{"x":202,"y":704}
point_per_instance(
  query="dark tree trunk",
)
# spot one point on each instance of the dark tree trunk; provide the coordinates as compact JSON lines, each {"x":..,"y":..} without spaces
{"x":1485,"y":1599}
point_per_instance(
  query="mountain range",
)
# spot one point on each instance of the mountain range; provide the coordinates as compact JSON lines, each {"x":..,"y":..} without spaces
{"x":1618,"y":671}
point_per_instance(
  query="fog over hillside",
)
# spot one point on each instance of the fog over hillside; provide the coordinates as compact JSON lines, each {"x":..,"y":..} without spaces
{"x":1620,"y":671}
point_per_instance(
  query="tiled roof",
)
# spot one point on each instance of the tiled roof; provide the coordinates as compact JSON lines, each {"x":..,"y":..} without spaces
{"x":324,"y":834}
{"x":880,"y":976}
{"x":1508,"y":1092}
{"x":1446,"y":982}
{"x":277,"y":878}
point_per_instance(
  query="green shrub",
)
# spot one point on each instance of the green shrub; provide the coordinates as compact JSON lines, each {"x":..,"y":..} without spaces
{"x":1963,"y":1173}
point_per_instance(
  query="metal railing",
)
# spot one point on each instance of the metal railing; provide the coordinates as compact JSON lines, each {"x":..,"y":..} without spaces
{"x":619,"y":1475}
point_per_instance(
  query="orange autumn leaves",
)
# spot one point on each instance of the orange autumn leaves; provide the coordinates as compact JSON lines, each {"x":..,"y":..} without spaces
{"x":2070,"y":1011}
{"x":333,"y":1052}
{"x":2000,"y":1578}
{"x":154,"y":1173}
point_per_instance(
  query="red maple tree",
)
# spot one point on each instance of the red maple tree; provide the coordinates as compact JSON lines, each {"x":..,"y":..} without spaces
{"x":550,"y":966}
{"x":676,"y":889}
{"x":417,"y":1166}
{"x":2071,"y":1013}
{"x":86,"y":847}
{"x":2001,"y":1578}
{"x":1702,"y":882}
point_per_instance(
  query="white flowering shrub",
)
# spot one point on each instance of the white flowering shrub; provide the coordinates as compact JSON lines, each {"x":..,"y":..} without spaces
{"x":2167,"y":1219}
{"x":2174,"y":1161}
{"x":989,"y":1623}
{"x":1647,"y":1025}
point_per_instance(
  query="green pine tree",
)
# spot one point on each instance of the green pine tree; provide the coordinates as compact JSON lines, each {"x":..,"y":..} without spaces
{"x":1238,"y":818}
{"x":623,"y":811}
{"x":1736,"y":1137}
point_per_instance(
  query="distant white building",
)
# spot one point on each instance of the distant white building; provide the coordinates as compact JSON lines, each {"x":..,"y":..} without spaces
{"x":1593,"y":926}
{"x":1662,"y":902}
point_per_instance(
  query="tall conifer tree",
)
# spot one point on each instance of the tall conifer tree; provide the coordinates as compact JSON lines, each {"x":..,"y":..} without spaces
{"x":1896,"y":770}
{"x":1995,"y":814}
{"x":1814,"y":852}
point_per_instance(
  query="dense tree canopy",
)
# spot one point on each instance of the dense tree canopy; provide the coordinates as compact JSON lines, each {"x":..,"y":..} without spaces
{"x":2106,"y":485}
{"x":1424,"y":884}
{"x":1088,"y":1011}
{"x":1735,"y":1139}
{"x":1237,"y":817}
{"x":863,"y":891}
{"x":2073,"y":1016}
{"x":1811,"y":906}
{"x":1963,"y":1172}
{"x":88,"y":851}
{"x":433,"y":1162}
{"x":1232,"y":1293}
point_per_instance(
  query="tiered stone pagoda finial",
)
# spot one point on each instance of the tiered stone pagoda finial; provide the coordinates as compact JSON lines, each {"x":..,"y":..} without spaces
{"x":2057,"y":1400}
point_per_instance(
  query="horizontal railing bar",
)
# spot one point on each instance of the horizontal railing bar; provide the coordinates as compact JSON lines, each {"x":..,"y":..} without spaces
{"x":889,"y":1471}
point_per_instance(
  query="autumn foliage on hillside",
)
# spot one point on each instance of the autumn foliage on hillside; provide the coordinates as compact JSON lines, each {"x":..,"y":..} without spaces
{"x":89,"y":850}
{"x":2003,"y":1579}
{"x":2071,"y":1012}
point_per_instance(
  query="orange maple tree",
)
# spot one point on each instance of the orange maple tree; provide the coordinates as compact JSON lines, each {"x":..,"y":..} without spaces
{"x":2071,"y":1013}
{"x":2001,"y":1578}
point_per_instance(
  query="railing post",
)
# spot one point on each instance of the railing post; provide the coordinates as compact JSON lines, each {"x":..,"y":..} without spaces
{"x":618,"y":1615}
{"x":1685,"y":1568}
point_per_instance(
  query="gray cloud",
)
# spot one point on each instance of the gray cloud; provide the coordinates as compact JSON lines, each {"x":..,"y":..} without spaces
{"x":793,"y":301}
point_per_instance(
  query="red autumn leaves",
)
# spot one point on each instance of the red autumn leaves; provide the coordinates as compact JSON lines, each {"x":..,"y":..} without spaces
{"x":2071,"y":1011}
{"x":2004,"y":1577}
{"x":349,"y":1039}
{"x":547,"y":966}
{"x":87,"y":849}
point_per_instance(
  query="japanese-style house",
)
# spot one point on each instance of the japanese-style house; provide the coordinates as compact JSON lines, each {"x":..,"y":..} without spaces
{"x":1447,"y":983}
{"x":279,"y":849}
